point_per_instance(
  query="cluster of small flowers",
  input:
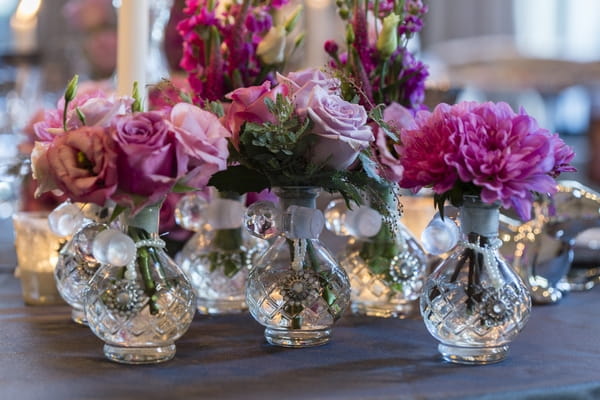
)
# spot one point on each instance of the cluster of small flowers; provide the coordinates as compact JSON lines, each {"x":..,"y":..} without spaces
{"x":228,"y":45}
{"x":377,"y":59}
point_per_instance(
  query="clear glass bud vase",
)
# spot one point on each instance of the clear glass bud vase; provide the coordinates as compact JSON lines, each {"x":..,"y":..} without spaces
{"x":387,"y":273}
{"x":139,"y":310}
{"x":296,"y":289}
{"x":75,"y":264}
{"x":218,"y":257}
{"x":473,"y":303}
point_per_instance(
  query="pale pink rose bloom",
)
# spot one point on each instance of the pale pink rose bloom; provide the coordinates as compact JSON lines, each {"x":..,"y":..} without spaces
{"x":301,"y":83}
{"x":398,"y":118}
{"x":203,"y":138}
{"x":248,"y":105}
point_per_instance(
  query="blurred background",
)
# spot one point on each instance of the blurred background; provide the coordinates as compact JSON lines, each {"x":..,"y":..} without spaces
{"x":543,"y":55}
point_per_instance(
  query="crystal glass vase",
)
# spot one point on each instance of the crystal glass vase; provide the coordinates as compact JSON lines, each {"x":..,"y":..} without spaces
{"x":296,"y":289}
{"x":387,"y":273}
{"x":75,"y":264}
{"x":473,"y":303}
{"x":139,"y":310}
{"x":218,"y":257}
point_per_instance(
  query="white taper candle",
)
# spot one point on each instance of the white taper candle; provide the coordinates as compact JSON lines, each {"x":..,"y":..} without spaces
{"x":132,"y":47}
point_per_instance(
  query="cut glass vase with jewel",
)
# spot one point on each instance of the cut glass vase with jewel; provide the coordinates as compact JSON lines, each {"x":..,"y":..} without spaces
{"x":296,"y":289}
{"x":474,"y":304}
{"x":385,"y":263}
{"x":218,"y":257}
{"x":77,"y":224}
{"x":139,"y":301}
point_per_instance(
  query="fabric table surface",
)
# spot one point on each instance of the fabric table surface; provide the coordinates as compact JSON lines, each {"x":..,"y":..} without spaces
{"x":43,"y":355}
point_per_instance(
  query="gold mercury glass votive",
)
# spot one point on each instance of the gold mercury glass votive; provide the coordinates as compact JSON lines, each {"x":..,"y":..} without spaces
{"x":37,"y":253}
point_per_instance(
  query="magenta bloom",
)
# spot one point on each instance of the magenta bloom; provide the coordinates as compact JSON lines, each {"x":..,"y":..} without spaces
{"x":148,"y":162}
{"x":503,"y":154}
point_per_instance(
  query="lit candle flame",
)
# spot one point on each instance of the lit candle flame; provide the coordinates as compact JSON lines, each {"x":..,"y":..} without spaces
{"x":27,"y":10}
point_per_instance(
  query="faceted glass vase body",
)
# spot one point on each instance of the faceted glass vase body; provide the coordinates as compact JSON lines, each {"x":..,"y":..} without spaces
{"x":387,"y":274}
{"x":73,"y":272}
{"x":139,"y":317}
{"x":473,"y":303}
{"x":217,"y":263}
{"x":296,"y":289}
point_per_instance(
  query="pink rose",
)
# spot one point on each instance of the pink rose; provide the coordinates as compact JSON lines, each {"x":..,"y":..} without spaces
{"x":248,"y":105}
{"x":398,"y":118}
{"x":81,"y":163}
{"x":148,"y":158}
{"x":341,"y":128}
{"x":203,"y":139}
{"x":301,"y":83}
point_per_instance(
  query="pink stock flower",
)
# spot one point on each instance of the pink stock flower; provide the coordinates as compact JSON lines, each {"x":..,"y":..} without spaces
{"x":81,"y":163}
{"x":386,"y":151}
{"x":203,"y":139}
{"x":248,"y":105}
{"x":341,"y":128}
{"x":503,"y":154}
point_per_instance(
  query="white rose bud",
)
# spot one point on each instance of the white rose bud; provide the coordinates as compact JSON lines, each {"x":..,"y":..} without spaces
{"x":271,"y":48}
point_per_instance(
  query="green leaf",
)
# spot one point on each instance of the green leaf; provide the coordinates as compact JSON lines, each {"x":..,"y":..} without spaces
{"x":118,"y":210}
{"x":181,"y":187}
{"x":239,"y":179}
{"x":80,"y":115}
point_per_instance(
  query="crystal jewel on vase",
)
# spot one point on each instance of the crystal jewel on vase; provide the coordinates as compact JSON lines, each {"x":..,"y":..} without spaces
{"x":140,"y":309}
{"x":385,"y":263}
{"x":473,"y":303}
{"x":218,"y":257}
{"x":296,"y":289}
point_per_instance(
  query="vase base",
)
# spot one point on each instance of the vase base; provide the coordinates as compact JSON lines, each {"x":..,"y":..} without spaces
{"x":473,"y":355}
{"x":78,"y":316}
{"x":139,"y":355}
{"x":216,"y":307}
{"x":297,"y":337}
{"x":410,"y":310}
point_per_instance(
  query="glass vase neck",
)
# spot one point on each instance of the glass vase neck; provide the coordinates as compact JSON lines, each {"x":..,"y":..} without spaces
{"x":304,"y":196}
{"x":478,"y":218}
{"x":147,"y":218}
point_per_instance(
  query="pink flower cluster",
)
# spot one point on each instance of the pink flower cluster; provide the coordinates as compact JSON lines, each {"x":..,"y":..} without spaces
{"x":340,"y":127}
{"x":377,"y":59}
{"x":505,"y":155}
{"x":108,"y":152}
{"x":220,"y":41}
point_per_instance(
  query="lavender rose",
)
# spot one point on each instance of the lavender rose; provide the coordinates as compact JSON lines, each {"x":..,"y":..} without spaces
{"x":341,"y":128}
{"x":81,"y":163}
{"x":148,"y":161}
